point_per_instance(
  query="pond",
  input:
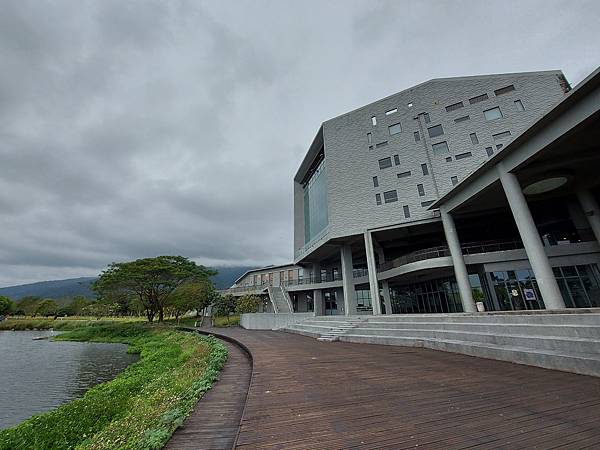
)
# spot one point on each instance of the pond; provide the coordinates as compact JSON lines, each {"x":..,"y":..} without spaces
{"x":37,"y":375}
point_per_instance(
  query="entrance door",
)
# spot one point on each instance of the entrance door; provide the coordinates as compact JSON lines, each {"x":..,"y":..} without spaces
{"x":330,"y":300}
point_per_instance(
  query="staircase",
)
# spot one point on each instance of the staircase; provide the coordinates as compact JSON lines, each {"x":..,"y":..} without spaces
{"x":280,"y":300}
{"x":564,"y":341}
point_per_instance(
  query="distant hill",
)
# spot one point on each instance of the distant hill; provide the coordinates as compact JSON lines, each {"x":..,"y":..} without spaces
{"x":58,"y":289}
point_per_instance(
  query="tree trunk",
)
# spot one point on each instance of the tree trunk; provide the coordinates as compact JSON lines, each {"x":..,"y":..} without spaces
{"x":161,"y":314}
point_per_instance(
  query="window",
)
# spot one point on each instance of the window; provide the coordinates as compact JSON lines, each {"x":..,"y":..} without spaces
{"x":404,"y":174}
{"x":375,"y":182}
{"x":417,"y":136}
{"x":454,"y":180}
{"x":390,"y":196}
{"x":440,"y":148}
{"x":426,"y":117}
{"x":504,"y":90}
{"x":499,"y":146}
{"x":435,"y":131}
{"x":378,"y":199}
{"x":421,"y":190}
{"x":461,"y":119}
{"x":395,"y":129}
{"x":385,"y":163}
{"x":489,"y":151}
{"x":478,"y":99}
{"x":428,"y":203}
{"x":397,"y":160}
{"x":369,"y":138}
{"x":474,"y":139}
{"x":391,"y":111}
{"x":502,"y":135}
{"x":492,"y":114}
{"x":454,"y":107}
{"x":519,"y":105}
{"x":381,"y":144}
{"x":425,"y":169}
{"x":410,"y":105}
{"x":449,"y":159}
{"x":463,"y":155}
{"x":406,"y":211}
{"x":370,"y":147}
{"x":374,"y":121}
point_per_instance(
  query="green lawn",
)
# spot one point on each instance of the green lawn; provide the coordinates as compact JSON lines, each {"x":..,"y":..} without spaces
{"x":141,"y":407}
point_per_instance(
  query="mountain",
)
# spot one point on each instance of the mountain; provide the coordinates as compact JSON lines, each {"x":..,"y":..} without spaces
{"x":81,"y":286}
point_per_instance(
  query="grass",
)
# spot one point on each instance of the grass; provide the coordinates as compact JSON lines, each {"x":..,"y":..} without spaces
{"x":142,"y":406}
{"x":232,"y":321}
{"x":46,"y":323}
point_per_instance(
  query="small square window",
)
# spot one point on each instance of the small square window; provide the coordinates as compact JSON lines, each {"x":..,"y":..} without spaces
{"x":378,"y":199}
{"x":391,"y":111}
{"x":421,"y":190}
{"x":504,"y":90}
{"x":397,"y":160}
{"x":499,"y":146}
{"x":454,"y":180}
{"x":370,"y":147}
{"x":417,"y":136}
{"x":404,"y":174}
{"x":440,"y":148}
{"x":425,"y":169}
{"x":519,"y":105}
{"x":426,"y":117}
{"x":454,"y":107}
{"x":385,"y":163}
{"x":369,"y":138}
{"x":406,"y":210}
{"x":410,"y":105}
{"x":374,"y":121}
{"x":390,"y":196}
{"x":435,"y":131}
{"x":492,"y":114}
{"x":375,"y":182}
{"x":449,"y":159}
{"x":489,"y":151}
{"x":474,"y":139}
{"x":395,"y":129}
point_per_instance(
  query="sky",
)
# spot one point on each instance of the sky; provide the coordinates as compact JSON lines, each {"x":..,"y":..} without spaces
{"x":132,"y":129}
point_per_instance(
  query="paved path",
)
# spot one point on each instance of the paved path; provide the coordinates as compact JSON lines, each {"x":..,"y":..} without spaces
{"x":307,"y":394}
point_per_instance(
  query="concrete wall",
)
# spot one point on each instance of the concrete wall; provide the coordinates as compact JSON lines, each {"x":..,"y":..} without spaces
{"x":264,"y":321}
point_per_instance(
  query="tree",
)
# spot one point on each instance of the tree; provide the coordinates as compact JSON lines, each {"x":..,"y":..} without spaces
{"x":247,"y":304}
{"x":7,"y":306}
{"x":28,"y":305}
{"x":47,"y":307}
{"x":183,"y":299}
{"x":223,"y":305}
{"x":75,"y":307}
{"x":150,"y":280}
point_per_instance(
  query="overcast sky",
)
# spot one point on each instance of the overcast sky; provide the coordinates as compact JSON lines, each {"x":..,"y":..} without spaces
{"x":137,"y":128}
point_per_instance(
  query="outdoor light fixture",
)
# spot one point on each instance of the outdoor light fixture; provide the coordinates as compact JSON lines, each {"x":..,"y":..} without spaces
{"x":545,"y":185}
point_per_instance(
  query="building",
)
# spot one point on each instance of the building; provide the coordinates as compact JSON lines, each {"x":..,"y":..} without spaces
{"x":456,"y":194}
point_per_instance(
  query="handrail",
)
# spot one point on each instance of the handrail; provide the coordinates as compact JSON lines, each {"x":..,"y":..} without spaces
{"x":312,"y":279}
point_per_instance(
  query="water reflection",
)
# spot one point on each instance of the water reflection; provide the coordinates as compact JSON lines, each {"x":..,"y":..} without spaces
{"x":39,"y":375}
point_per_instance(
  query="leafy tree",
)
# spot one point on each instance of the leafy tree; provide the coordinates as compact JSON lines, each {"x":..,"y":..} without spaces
{"x":7,"y":306}
{"x":182,"y":300}
{"x":47,"y":307}
{"x":223,"y":306}
{"x":247,"y":304}
{"x":150,"y":280}
{"x":75,"y":307}
{"x":28,"y":305}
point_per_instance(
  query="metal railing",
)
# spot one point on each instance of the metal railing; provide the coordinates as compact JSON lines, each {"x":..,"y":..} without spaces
{"x":254,"y":287}
{"x":313,"y":279}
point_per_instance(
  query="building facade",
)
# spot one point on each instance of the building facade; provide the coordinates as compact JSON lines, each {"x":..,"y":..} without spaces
{"x":375,"y":229}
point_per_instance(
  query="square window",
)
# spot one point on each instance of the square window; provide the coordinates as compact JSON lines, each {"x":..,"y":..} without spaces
{"x":454,"y":180}
{"x":417,"y":136}
{"x":489,"y":151}
{"x":406,"y":210}
{"x":391,"y":111}
{"x":425,"y":169}
{"x":435,"y":131}
{"x":378,"y":199}
{"x":375,"y":182}
{"x":440,"y":148}
{"x":492,"y":114}
{"x":385,"y":163}
{"x":397,"y":160}
{"x":519,"y":105}
{"x":454,"y":107}
{"x":449,"y":159}
{"x":421,"y":190}
{"x":395,"y":129}
{"x":390,"y":196}
{"x":374,"y":121}
{"x":369,"y":138}
{"x":504,"y":90}
{"x":478,"y":99}
{"x":474,"y":139}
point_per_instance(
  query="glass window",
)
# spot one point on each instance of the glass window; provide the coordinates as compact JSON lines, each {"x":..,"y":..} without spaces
{"x":474,"y":139}
{"x":489,"y":151}
{"x":463,"y":155}
{"x":454,"y":107}
{"x":440,"y":148}
{"x":406,"y":210}
{"x":391,"y":111}
{"x":397,"y":160}
{"x":427,"y":203}
{"x":426,"y":117}
{"x":519,"y":105}
{"x":502,"y":135}
{"x":421,"y":190}
{"x":390,"y":196}
{"x":373,"y":120}
{"x":395,"y":129}
{"x":381,"y":144}
{"x":369,"y":138}
{"x":492,"y":114}
{"x":410,"y":105}
{"x":378,"y":199}
{"x":404,"y":174}
{"x":417,"y":136}
{"x":435,"y":131}
{"x":454,"y":180}
{"x":478,"y":99}
{"x":461,"y":119}
{"x":499,"y":146}
{"x":385,"y":163}
{"x":316,"y":216}
{"x":504,"y":90}
{"x":375,"y":182}
{"x":425,"y":169}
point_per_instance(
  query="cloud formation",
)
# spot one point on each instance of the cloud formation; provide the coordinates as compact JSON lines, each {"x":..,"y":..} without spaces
{"x":138,"y":128}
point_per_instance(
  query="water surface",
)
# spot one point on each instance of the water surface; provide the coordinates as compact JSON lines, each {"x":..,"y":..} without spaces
{"x":39,"y":375}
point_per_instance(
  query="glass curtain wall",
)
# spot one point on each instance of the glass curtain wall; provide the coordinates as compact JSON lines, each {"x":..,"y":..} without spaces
{"x":316,"y":216}
{"x":434,"y":296}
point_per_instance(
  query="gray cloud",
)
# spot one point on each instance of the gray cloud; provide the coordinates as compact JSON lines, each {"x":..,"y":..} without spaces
{"x":131,"y":129}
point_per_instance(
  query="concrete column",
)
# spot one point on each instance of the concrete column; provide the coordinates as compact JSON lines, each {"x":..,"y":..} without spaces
{"x":318,"y":301}
{"x":460,"y":268}
{"x":386,"y":297}
{"x":531,"y":240}
{"x":347,"y":280}
{"x":372,"y":269}
{"x":591,"y":210}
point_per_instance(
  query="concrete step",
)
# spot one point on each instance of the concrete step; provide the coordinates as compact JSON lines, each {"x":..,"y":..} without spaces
{"x":592,"y":319}
{"x":554,"y":343}
{"x":582,"y":363}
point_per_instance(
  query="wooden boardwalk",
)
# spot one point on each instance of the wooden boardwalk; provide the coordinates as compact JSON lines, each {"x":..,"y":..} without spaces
{"x":307,"y":394}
